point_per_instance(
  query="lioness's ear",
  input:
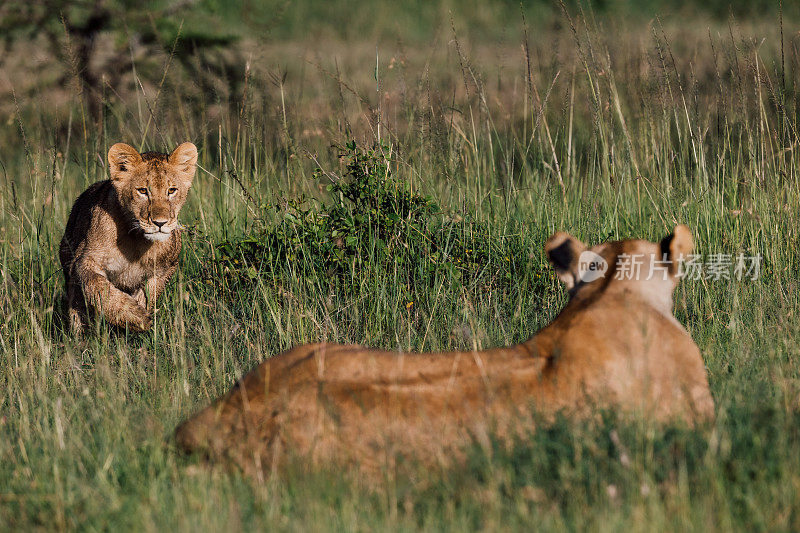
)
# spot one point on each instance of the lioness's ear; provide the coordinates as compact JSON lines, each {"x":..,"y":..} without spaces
{"x":676,"y":246}
{"x":563,"y":250}
{"x":183,"y":159}
{"x":121,"y":158}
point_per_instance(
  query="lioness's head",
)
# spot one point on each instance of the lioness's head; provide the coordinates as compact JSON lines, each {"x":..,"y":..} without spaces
{"x":152,"y":187}
{"x":648,"y":269}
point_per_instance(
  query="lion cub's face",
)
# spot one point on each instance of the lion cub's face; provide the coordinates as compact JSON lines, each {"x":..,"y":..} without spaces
{"x":152,"y":187}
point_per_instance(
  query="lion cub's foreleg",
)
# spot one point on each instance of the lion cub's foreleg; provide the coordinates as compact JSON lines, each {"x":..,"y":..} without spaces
{"x":148,"y":295}
{"x":118,"y":308}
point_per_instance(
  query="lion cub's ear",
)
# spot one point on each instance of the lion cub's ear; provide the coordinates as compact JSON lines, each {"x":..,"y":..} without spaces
{"x":183,"y":159}
{"x":564,"y":252}
{"x":676,"y":246}
{"x":121,"y":159}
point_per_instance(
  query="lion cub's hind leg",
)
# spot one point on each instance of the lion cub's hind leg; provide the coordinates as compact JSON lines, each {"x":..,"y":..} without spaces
{"x":76,"y":308}
{"x":76,"y":321}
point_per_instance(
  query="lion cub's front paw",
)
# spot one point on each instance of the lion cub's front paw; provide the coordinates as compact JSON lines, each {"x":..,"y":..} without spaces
{"x":140,"y":298}
{"x":144,"y":321}
{"x":135,"y":316}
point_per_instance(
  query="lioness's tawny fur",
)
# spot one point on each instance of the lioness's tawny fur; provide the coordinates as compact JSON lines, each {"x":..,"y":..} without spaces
{"x":615,"y":344}
{"x":122,"y":239}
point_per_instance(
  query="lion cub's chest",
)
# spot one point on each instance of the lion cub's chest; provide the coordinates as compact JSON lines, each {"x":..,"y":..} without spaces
{"x":125,"y":275}
{"x":129,"y":274}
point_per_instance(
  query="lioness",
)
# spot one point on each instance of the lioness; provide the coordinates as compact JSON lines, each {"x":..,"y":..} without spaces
{"x":615,"y":344}
{"x":122,"y":239}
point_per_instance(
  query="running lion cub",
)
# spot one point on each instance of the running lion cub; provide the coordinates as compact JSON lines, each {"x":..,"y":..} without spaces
{"x":615,"y":344}
{"x":122,"y":239}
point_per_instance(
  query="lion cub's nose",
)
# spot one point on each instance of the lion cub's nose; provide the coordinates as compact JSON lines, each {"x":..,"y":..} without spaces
{"x":160,"y":222}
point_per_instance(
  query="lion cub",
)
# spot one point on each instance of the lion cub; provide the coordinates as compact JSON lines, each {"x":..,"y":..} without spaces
{"x":122,"y":239}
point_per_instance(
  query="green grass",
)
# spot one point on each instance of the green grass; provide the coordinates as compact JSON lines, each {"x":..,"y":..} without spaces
{"x":670,"y":127}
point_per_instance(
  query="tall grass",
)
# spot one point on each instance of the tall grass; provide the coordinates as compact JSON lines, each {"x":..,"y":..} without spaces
{"x":591,"y":126}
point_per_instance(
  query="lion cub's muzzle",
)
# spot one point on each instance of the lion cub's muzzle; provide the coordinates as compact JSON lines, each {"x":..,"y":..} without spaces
{"x":159,"y":229}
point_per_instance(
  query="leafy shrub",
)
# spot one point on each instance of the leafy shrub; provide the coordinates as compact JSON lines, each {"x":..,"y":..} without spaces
{"x":373,"y":222}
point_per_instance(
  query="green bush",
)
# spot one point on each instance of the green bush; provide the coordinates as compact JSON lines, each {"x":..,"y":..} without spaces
{"x":374,"y":223}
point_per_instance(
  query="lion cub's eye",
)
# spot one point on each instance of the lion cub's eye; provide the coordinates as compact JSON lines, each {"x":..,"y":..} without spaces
{"x":142,"y":191}
{"x":172,"y":190}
